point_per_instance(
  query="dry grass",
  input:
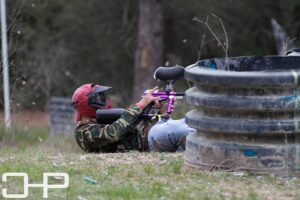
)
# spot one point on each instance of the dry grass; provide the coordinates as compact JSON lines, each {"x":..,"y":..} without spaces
{"x":137,"y":175}
{"x":132,"y":175}
{"x":28,"y":119}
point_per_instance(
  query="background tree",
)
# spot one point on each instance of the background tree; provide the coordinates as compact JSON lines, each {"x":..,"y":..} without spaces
{"x":149,"y":53}
{"x":57,"y":45}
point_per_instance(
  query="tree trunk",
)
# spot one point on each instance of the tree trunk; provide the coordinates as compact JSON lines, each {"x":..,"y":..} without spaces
{"x":150,"y":45}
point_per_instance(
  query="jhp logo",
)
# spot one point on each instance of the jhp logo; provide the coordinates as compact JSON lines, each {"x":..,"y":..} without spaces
{"x":26,"y":185}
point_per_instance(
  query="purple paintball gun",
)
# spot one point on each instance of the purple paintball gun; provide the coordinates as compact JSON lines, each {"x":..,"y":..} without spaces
{"x":169,"y":75}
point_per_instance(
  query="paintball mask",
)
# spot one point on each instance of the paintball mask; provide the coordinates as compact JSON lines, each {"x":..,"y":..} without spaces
{"x":88,"y":98}
{"x":97,"y":98}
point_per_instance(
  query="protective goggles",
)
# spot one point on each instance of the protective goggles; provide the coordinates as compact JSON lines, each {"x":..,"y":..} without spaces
{"x":97,"y":97}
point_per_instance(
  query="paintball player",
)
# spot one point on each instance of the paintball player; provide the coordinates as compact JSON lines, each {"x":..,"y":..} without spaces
{"x":163,"y":136}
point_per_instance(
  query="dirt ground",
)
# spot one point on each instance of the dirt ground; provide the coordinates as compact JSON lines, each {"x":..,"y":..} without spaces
{"x":28,"y":118}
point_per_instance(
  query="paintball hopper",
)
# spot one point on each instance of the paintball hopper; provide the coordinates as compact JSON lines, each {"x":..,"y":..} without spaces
{"x":169,"y":73}
{"x":108,"y":116}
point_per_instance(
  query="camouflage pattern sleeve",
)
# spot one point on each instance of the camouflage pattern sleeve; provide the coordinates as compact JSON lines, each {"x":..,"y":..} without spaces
{"x":94,"y":135}
{"x":113,"y":132}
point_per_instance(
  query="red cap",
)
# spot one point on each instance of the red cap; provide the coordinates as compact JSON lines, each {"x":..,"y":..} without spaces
{"x":80,"y":101}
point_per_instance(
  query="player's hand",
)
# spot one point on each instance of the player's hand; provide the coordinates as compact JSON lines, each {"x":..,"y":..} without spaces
{"x":148,"y":98}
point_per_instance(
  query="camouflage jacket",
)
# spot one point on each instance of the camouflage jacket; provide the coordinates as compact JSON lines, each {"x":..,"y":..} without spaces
{"x":122,"y":135}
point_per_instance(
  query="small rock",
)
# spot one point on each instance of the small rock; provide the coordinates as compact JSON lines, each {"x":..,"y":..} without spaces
{"x":55,"y":165}
{"x":58,"y":165}
{"x":40,"y":139}
{"x":81,"y":198}
{"x":82,"y":157}
{"x":90,"y":180}
{"x":239,"y":174}
{"x":162,"y":162}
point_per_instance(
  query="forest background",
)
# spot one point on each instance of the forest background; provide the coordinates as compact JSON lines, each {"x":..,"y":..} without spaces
{"x":55,"y":46}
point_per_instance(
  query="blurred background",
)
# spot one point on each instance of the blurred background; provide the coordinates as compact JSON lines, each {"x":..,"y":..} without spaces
{"x":55,"y":46}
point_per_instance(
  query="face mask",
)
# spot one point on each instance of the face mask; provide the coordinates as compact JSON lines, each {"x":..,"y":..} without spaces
{"x":97,"y":100}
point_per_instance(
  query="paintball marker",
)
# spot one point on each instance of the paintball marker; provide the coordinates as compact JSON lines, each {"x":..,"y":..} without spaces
{"x":167,"y":74}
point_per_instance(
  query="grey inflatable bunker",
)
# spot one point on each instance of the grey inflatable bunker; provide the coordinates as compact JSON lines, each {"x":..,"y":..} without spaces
{"x":247,"y":114}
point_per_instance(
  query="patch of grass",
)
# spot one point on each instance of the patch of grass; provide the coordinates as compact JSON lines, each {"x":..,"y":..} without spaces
{"x":126,"y":191}
{"x":157,"y":189}
{"x":118,"y":180}
{"x":252,"y":195}
{"x":148,"y":168}
{"x":36,"y":137}
{"x":130,"y":175}
{"x":60,"y":143}
{"x":111,"y":170}
{"x":21,"y":136}
{"x":175,"y":166}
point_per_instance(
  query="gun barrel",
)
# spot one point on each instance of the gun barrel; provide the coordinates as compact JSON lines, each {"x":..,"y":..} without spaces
{"x":180,"y":94}
{"x":167,"y":94}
